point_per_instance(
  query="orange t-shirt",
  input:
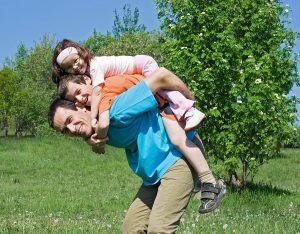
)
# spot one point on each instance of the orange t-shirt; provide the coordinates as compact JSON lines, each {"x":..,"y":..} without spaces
{"x":115,"y":85}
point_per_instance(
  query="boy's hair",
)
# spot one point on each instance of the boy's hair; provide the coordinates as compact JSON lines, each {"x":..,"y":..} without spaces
{"x":58,"y":102}
{"x":62,"y":88}
{"x":57,"y":71}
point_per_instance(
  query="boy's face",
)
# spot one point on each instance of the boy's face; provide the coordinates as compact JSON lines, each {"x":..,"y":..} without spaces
{"x":81,"y":93}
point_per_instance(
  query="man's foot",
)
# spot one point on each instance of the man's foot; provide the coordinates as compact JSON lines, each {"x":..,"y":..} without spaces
{"x":193,"y":118}
{"x":211,"y":196}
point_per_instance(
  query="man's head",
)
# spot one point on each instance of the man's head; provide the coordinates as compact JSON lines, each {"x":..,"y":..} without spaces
{"x":76,"y":88}
{"x":65,"y":117}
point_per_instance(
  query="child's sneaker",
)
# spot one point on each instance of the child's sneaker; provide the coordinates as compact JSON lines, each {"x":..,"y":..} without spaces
{"x":193,"y":118}
{"x":211,"y":196}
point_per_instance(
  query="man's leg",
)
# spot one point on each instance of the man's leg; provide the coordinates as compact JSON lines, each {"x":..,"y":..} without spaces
{"x":172,"y":198}
{"x":137,"y":216}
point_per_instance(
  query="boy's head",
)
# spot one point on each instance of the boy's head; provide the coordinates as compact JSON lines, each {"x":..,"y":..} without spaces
{"x":76,"y":88}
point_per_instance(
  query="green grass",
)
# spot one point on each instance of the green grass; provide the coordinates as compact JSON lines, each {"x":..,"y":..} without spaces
{"x":57,"y":185}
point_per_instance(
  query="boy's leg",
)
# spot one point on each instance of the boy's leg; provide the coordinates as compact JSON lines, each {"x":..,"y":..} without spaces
{"x":172,"y":198}
{"x":165,"y":79}
{"x":137,"y":216}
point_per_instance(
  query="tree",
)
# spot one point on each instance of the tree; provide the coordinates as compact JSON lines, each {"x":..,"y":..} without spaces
{"x":127,"y":38}
{"x":237,"y":58}
{"x":128,"y":24}
{"x":35,"y":88}
{"x":7,"y":92}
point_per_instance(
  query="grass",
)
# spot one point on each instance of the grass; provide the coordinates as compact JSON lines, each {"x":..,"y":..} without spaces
{"x":57,"y":185}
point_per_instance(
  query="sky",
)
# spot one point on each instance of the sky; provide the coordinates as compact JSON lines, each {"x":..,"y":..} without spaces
{"x":26,"y":21}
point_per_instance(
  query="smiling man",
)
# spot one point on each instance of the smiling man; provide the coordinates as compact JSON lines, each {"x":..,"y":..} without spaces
{"x":136,"y":126}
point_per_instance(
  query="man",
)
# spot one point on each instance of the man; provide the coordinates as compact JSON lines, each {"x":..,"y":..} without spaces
{"x":136,"y":125}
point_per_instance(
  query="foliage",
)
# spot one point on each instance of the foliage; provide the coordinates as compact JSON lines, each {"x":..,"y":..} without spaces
{"x":34,"y":86}
{"x":128,"y":37}
{"x":7,"y":92}
{"x":237,"y":58}
{"x":128,"y":24}
{"x":127,"y":44}
{"x":294,"y":139}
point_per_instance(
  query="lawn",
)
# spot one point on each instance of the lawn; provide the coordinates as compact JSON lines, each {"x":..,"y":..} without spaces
{"x":57,"y":185}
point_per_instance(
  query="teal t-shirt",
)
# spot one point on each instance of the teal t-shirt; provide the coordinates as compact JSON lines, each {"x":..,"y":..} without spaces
{"x":136,"y":125}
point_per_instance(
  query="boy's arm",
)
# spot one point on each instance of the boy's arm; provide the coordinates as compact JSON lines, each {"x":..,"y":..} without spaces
{"x":102,"y":129}
{"x":95,"y":99}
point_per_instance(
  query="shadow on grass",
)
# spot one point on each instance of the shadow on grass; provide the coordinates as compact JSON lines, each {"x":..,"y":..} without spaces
{"x":260,"y":188}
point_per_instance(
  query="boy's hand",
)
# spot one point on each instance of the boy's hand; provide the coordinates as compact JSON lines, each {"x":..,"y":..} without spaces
{"x":94,"y":123}
{"x":97,"y":144}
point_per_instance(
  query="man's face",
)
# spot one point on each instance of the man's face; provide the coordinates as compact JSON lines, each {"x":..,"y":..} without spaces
{"x":80,"y":93}
{"x":73,"y":122}
{"x":74,"y":64}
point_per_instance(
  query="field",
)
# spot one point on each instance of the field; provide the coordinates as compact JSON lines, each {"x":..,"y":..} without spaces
{"x":57,"y":185}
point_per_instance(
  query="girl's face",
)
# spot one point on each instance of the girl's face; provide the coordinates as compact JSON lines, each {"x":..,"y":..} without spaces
{"x":74,"y":64}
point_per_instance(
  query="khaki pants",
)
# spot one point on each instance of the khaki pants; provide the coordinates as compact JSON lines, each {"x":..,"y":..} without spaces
{"x":158,"y":209}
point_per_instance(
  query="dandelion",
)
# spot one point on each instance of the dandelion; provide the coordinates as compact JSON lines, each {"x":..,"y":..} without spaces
{"x":214,"y":108}
{"x":193,"y":225}
{"x":183,"y":47}
{"x":258,"y":81}
{"x":286,"y":10}
{"x":252,"y":159}
{"x":256,"y":67}
{"x":200,"y":34}
{"x":203,"y":13}
{"x":225,"y":226}
{"x":241,"y":71}
{"x":109,"y":225}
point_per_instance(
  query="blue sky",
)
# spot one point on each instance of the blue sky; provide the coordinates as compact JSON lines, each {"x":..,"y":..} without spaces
{"x":27,"y":21}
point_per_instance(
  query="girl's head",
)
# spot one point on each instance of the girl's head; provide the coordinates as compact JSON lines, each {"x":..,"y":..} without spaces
{"x":70,"y":58}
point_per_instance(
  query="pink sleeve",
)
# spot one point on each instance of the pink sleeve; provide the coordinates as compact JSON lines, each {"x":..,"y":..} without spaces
{"x":145,"y":64}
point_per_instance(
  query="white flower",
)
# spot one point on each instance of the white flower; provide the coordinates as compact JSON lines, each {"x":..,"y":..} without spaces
{"x":214,"y":108}
{"x":286,"y":10}
{"x":225,"y":226}
{"x":200,"y":34}
{"x":181,"y":17}
{"x":171,"y":26}
{"x":252,"y":159}
{"x":256,"y":67}
{"x":203,"y":13}
{"x":258,"y":81}
{"x":250,"y":56}
{"x":239,"y":101}
{"x":241,"y":71}
{"x":183,"y":47}
{"x":261,"y":113}
{"x":276,"y":95}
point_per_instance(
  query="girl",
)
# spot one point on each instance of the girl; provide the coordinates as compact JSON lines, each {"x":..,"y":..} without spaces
{"x":70,"y":57}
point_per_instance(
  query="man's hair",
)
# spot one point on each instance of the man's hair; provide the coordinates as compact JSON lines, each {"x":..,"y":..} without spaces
{"x":62,"y":88}
{"x":58,"y":102}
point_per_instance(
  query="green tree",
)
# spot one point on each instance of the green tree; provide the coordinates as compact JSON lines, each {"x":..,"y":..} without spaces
{"x":35,"y":88}
{"x":129,"y":22}
{"x":127,"y":38}
{"x":7,"y":92}
{"x":237,"y":57}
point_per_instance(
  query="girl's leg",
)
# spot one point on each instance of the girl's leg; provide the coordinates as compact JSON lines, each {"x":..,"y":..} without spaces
{"x":192,"y":153}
